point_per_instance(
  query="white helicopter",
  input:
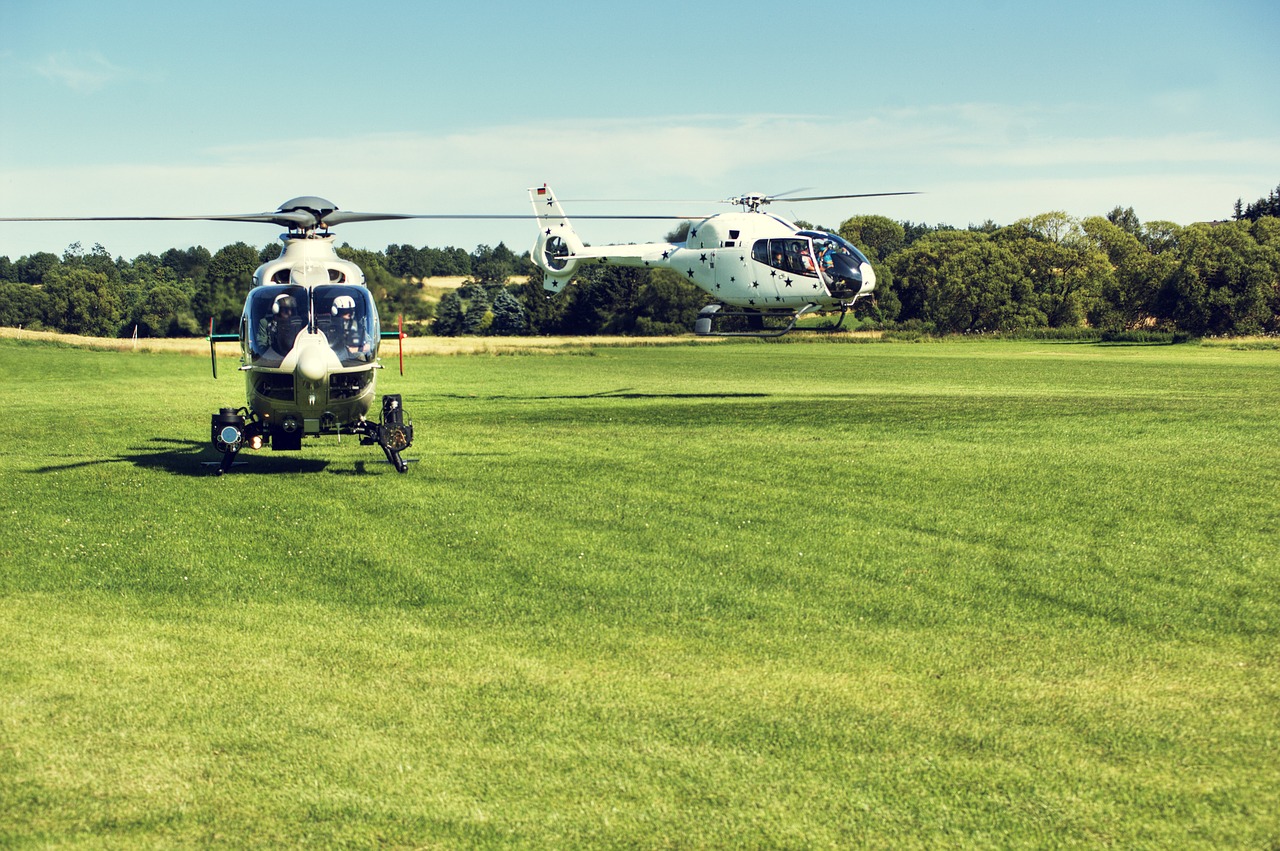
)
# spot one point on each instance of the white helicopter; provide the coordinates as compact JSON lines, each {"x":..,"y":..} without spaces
{"x":753,"y":263}
{"x":308,"y":338}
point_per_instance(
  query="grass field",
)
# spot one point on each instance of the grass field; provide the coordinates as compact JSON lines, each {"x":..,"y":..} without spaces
{"x":974,"y":594}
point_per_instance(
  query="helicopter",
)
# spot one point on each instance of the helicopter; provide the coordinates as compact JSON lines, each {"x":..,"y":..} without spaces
{"x":309,"y":340}
{"x":754,"y":264}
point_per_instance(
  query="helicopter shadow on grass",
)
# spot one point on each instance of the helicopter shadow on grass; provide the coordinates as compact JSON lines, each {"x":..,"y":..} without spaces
{"x":194,"y":458}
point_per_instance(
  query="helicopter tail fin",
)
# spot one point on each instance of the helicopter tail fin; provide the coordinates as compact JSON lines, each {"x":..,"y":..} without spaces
{"x":558,"y":246}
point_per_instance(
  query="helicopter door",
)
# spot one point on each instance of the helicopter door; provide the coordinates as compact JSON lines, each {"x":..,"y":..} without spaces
{"x":769,"y":273}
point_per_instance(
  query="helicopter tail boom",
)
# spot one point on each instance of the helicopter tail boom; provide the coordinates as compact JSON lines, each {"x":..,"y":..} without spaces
{"x":559,"y":251}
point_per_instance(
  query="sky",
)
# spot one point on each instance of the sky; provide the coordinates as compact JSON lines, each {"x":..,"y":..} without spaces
{"x":991,"y":110}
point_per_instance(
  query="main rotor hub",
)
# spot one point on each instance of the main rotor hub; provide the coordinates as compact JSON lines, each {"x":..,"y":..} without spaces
{"x":751,"y":203}
{"x":314,"y":207}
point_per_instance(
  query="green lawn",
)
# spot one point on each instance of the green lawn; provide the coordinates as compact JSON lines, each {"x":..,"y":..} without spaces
{"x":979,"y":594}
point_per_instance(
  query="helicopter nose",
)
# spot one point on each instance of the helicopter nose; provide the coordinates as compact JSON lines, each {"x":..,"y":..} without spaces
{"x":868,"y":278}
{"x":312,"y":364}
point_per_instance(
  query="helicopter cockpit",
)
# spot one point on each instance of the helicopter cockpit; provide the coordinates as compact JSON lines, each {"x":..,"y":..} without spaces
{"x":275,"y":314}
{"x":840,"y":262}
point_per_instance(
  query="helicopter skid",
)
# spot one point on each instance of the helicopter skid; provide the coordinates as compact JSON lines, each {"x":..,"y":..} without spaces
{"x":705,"y":326}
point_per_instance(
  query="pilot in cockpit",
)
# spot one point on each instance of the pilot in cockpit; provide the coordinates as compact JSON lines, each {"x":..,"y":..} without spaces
{"x":278,"y":329}
{"x":349,"y":338}
{"x":827,"y":257}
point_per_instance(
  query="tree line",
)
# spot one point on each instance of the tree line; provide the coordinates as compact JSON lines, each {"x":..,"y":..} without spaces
{"x":1109,"y":272}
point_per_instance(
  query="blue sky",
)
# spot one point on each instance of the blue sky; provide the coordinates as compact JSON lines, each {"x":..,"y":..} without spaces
{"x":995,"y":110}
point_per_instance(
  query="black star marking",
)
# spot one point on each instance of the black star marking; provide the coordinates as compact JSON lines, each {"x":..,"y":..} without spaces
{"x":690,"y":273}
{"x":717,"y":286}
{"x":548,"y":231}
{"x":787,"y":282}
{"x":732,"y":279}
{"x":666,"y":255}
{"x":773,"y":274}
{"x":551,"y":202}
{"x":751,"y":301}
{"x":693,"y":233}
{"x":703,"y":258}
{"x":755,"y":285}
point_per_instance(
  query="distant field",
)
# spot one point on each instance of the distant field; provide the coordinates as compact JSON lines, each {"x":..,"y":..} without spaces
{"x":412,"y":345}
{"x":977,"y":594}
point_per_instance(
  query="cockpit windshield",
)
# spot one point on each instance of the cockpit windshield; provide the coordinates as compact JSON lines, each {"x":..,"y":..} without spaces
{"x":277,"y":315}
{"x":348,"y":319}
{"x":829,"y":244}
{"x":344,"y":314}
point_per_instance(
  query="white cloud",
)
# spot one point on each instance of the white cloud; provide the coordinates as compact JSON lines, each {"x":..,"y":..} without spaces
{"x":974,"y":161}
{"x":83,"y":72}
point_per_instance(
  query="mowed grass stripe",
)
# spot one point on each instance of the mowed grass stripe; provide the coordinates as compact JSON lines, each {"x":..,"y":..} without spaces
{"x":981,"y":593}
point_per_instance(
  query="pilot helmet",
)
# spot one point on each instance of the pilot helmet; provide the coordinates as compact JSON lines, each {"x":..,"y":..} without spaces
{"x":284,"y":301}
{"x":341,"y":303}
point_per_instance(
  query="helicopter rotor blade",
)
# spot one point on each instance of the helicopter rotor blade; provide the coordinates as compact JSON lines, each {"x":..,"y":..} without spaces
{"x":290,"y":218}
{"x":837,"y":197}
{"x":788,"y":192}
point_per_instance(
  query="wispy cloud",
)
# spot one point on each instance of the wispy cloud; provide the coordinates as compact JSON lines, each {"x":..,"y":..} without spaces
{"x":973,"y":161}
{"x":81,"y":72}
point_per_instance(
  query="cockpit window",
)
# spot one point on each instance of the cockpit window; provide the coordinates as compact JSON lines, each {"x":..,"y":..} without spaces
{"x":829,"y":243}
{"x":792,"y":255}
{"x":277,"y":314}
{"x":840,"y":262}
{"x":347,"y":317}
